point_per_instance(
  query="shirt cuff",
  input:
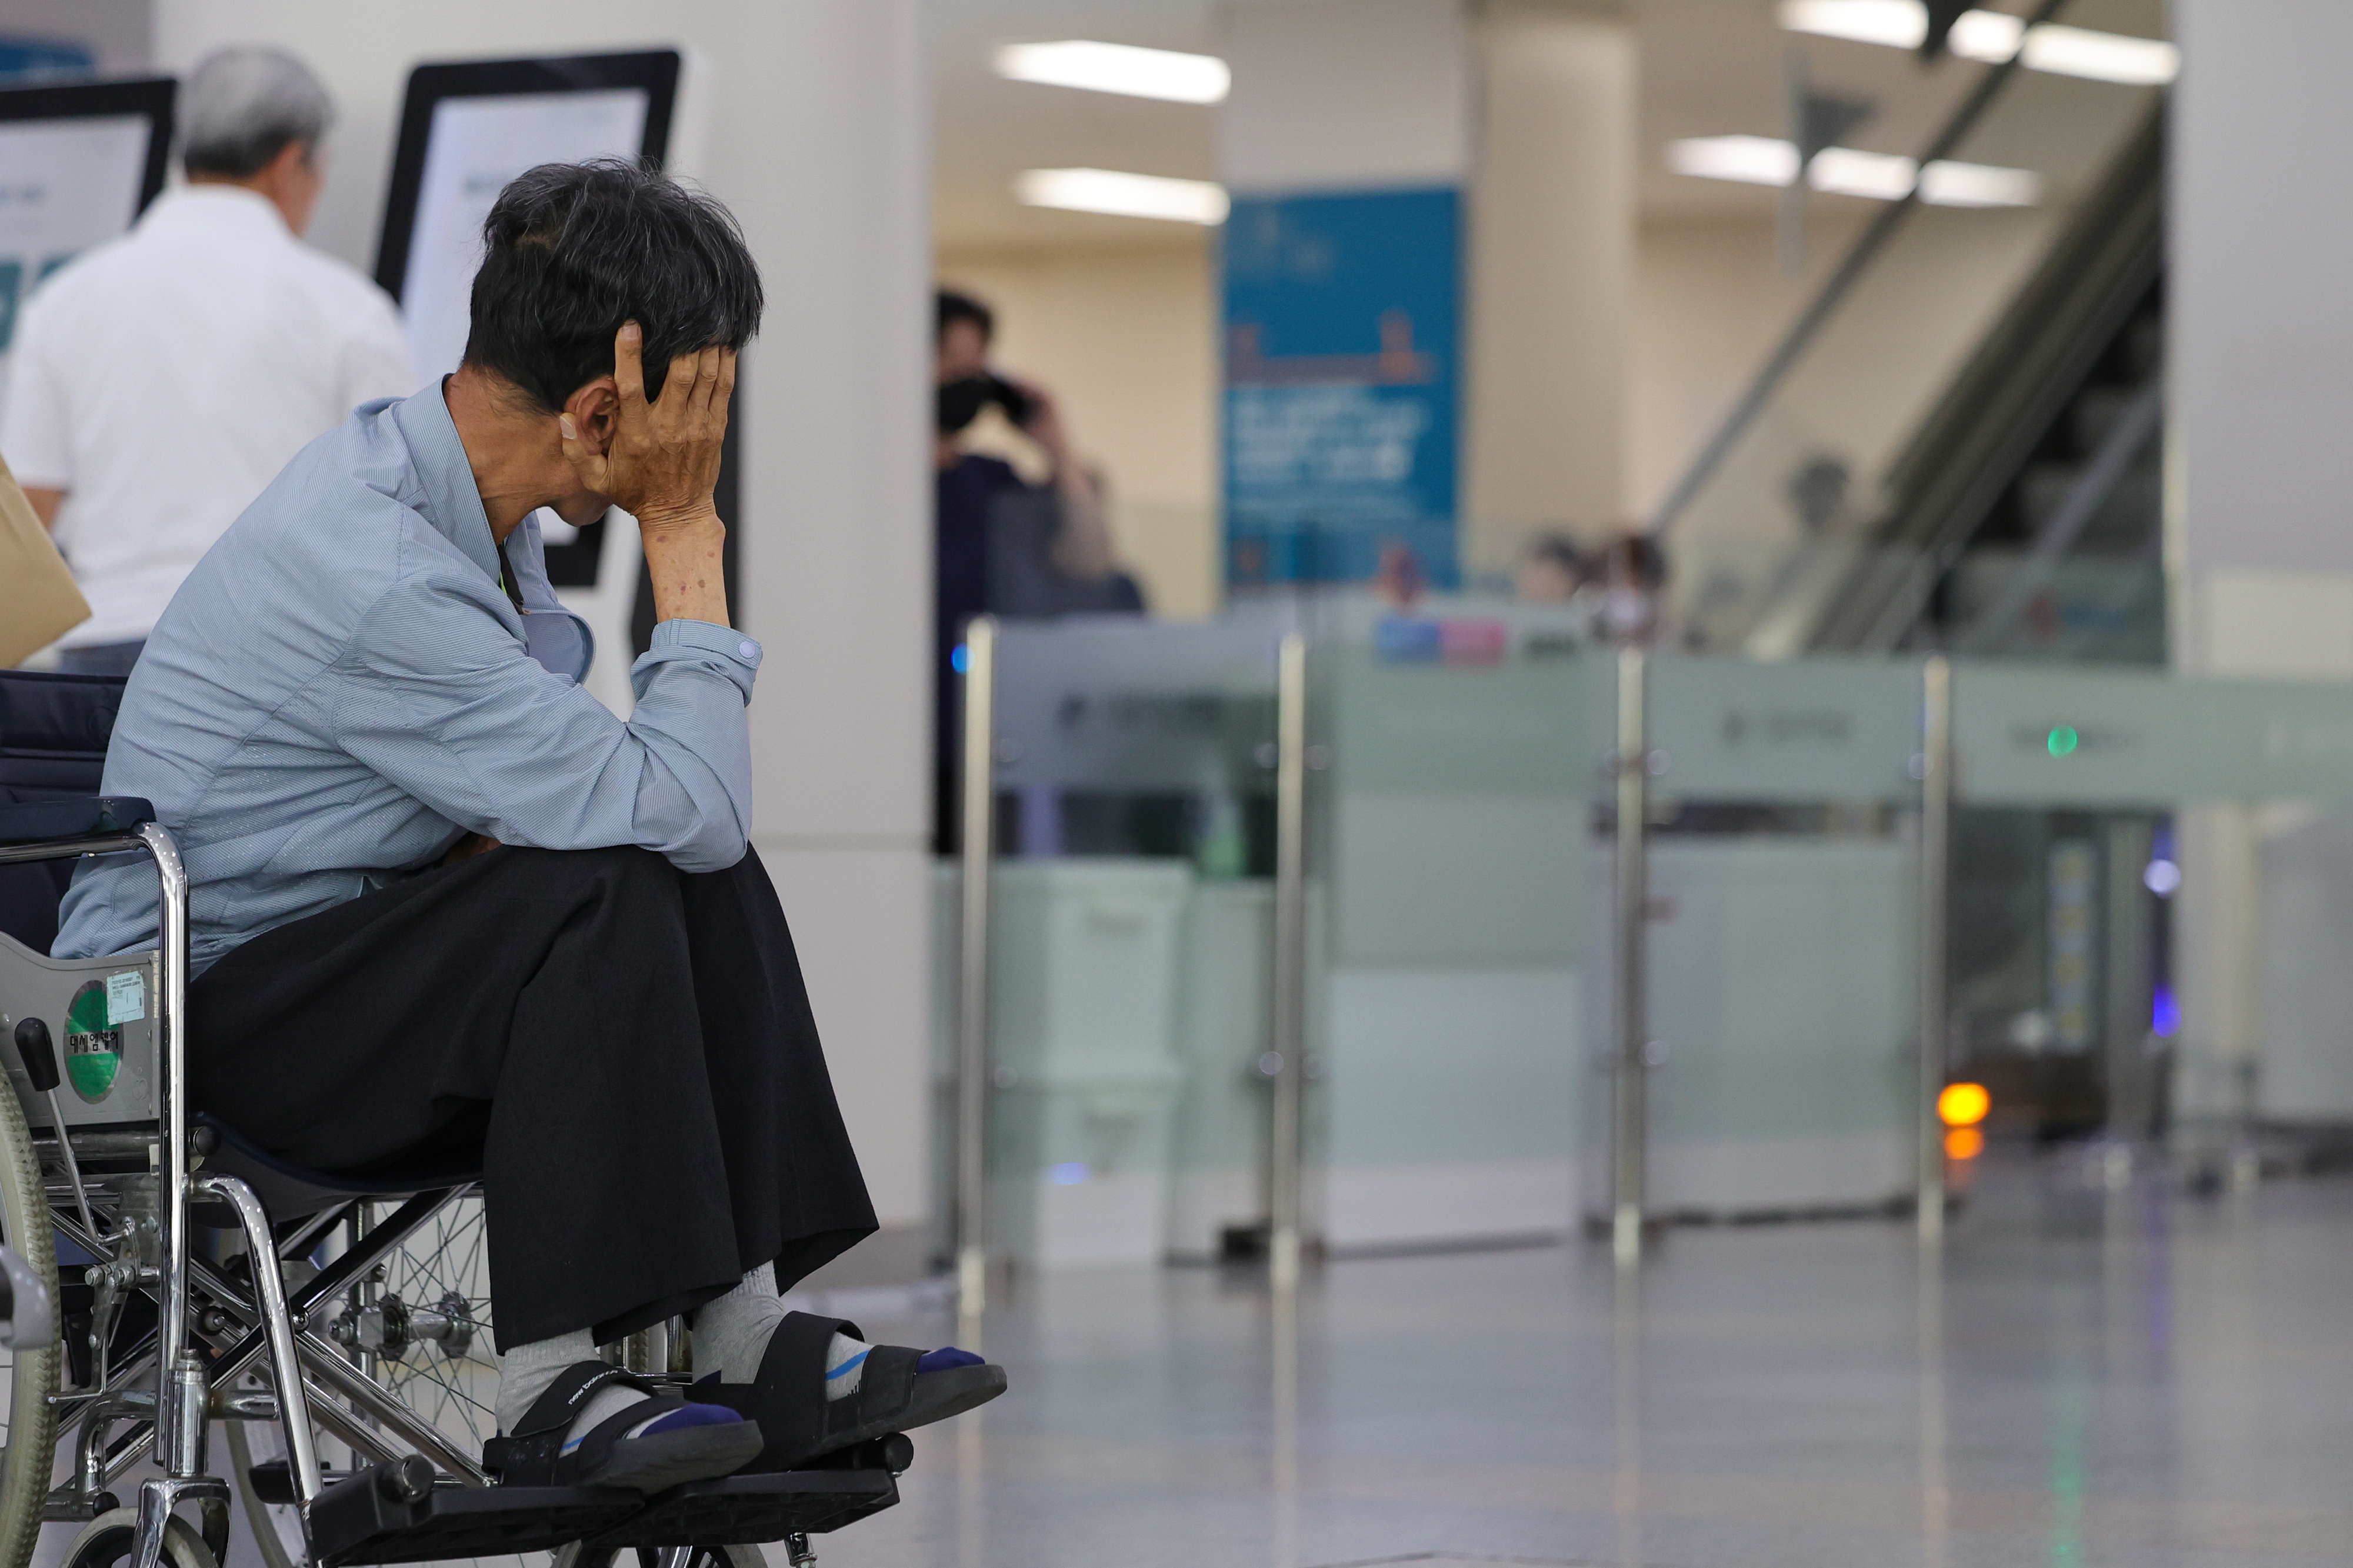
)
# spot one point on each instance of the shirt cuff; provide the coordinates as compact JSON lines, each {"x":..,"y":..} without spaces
{"x":716,"y":649}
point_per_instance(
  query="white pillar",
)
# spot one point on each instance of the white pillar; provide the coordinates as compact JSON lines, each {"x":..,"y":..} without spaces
{"x":818,"y":139}
{"x":2259,"y":524}
{"x":1552,"y":264}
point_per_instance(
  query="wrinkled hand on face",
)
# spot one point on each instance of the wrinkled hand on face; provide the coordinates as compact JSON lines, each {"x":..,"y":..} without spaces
{"x":658,"y":461}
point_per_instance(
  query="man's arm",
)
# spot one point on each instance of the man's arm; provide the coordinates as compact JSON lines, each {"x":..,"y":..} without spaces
{"x":1083,"y":547}
{"x":436,"y":695}
{"x":445,"y":705}
{"x":661,"y":467}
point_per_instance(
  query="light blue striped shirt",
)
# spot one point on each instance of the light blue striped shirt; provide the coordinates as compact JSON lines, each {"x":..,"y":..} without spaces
{"x":342,"y":688}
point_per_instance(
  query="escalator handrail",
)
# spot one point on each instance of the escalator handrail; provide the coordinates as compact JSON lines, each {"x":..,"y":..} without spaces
{"x":1834,"y":292}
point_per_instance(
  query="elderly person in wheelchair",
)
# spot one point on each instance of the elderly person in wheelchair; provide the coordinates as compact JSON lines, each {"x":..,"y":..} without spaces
{"x":448,"y":913}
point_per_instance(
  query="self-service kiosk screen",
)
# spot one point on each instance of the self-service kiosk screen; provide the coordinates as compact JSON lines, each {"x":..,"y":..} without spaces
{"x":76,"y":165}
{"x":478,"y":144}
{"x":468,"y":128}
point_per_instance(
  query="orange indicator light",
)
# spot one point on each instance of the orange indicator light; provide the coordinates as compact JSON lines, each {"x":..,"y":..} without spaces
{"x":1964,"y":1104}
{"x":1964,"y":1143}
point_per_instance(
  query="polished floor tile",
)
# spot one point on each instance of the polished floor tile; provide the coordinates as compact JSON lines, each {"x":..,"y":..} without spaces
{"x":2080,"y":1377}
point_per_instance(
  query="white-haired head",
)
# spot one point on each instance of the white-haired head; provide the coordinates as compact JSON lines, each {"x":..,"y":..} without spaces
{"x":241,"y":106}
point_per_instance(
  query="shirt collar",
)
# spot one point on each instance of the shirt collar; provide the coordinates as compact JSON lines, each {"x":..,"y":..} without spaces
{"x":213,"y":202}
{"x":452,"y":504}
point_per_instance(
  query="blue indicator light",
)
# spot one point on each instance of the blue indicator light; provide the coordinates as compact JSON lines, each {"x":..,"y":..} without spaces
{"x":961,"y":659}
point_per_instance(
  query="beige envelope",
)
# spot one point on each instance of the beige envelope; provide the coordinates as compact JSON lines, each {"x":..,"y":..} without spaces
{"x":39,"y":601}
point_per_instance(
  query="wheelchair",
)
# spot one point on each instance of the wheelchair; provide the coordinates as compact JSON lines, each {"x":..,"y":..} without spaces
{"x":198,"y":1280}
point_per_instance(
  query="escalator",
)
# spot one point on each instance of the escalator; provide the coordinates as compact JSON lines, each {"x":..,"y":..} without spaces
{"x":2025,"y":516}
{"x":1959,"y":445}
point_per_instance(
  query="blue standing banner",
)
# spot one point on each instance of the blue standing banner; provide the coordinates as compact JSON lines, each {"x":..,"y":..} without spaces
{"x":1343,"y":334}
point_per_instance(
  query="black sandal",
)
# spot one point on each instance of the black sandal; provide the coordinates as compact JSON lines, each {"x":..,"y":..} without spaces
{"x":535,"y":1454}
{"x":800,"y":1424}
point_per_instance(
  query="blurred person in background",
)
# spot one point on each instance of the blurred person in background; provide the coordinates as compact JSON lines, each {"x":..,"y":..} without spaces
{"x":1002,"y":546}
{"x":161,"y":379}
{"x":1632,"y":580}
{"x":1554,"y":570}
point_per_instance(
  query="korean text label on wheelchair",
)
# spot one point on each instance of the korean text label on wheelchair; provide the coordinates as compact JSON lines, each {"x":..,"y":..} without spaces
{"x":207,"y":1282}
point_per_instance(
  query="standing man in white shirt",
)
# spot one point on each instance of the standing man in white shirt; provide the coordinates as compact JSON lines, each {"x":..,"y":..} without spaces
{"x":161,"y":379}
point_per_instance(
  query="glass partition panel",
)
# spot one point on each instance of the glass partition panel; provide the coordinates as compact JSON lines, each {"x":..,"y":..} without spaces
{"x":2093,"y":801}
{"x":1454,"y":880}
{"x":2035,"y":733}
{"x":1131,"y":939}
{"x":1807,"y":732}
{"x":1782,"y":939}
{"x":1461,"y":929}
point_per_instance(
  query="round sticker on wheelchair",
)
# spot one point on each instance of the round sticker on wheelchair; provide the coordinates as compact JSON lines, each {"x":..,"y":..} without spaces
{"x":93,"y":1044}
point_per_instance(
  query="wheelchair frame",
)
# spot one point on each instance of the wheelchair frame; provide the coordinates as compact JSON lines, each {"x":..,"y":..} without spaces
{"x":181,"y":1404}
{"x":200,"y":1304}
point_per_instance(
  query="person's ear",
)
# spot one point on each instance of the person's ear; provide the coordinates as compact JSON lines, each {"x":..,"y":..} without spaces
{"x":596,"y":411}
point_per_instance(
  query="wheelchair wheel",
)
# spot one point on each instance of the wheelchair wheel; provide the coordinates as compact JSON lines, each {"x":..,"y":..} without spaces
{"x":425,"y":1327}
{"x":105,"y":1543}
{"x":31,"y":1370}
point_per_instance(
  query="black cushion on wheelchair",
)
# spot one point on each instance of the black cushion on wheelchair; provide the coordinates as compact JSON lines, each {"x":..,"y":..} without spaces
{"x":288,"y":1191}
{"x":53,"y":734}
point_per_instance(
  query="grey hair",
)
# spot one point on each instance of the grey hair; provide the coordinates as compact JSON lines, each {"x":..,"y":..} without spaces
{"x":240,"y":107}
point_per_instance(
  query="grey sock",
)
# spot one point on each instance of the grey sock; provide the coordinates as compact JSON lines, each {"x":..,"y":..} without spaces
{"x":526,"y":1371}
{"x":730,"y":1334}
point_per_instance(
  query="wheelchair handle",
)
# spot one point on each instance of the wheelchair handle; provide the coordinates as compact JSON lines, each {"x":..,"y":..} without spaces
{"x":38,"y":1053}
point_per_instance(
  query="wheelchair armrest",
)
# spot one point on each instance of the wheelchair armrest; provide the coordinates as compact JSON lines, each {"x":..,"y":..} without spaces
{"x":76,"y":816}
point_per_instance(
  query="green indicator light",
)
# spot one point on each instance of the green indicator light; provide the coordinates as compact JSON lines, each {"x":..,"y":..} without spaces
{"x":2064,"y":740}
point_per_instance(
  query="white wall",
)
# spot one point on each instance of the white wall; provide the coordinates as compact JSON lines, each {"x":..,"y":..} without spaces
{"x":818,"y":140}
{"x":2262,"y":325}
{"x":1710,"y":302}
{"x":119,"y":32}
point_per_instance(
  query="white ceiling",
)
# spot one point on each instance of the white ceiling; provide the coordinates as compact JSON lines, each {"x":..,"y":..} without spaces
{"x":1708,"y":67}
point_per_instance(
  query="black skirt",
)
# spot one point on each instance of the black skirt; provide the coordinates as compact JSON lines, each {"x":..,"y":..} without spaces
{"x":624,"y":1050}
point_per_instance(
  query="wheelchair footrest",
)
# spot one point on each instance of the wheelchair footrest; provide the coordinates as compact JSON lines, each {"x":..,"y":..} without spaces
{"x":379,"y":1515}
{"x":742,"y":1511}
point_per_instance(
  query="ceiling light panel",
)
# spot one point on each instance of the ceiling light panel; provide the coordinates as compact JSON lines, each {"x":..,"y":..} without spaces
{"x":2101,"y":57}
{"x":1987,"y":35}
{"x":1752,"y":160}
{"x":1945,"y":184}
{"x":1848,"y":172}
{"x":1899,"y":24}
{"x":1117,"y":67}
{"x":1843,"y":172}
{"x":1122,"y":195}
{"x":1994,"y":37}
